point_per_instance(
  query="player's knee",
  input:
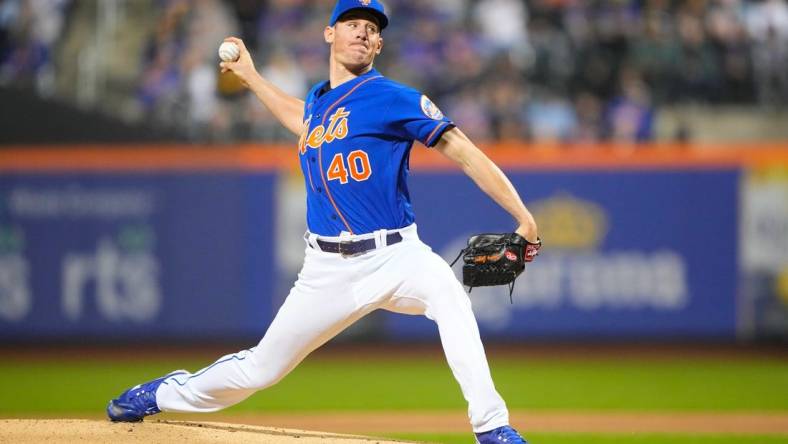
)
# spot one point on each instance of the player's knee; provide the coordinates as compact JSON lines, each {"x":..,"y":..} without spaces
{"x":264,"y":372}
{"x":266,"y":376}
{"x":446,"y":293}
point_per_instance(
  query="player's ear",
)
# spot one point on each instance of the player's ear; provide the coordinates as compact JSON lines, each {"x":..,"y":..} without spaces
{"x":380,"y":46}
{"x":328,"y":34}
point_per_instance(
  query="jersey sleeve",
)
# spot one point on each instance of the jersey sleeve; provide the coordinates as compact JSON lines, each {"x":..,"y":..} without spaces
{"x":413,"y":116}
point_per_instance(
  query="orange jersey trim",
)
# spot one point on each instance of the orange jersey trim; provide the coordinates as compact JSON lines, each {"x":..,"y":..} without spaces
{"x":440,"y":125}
{"x":320,"y":152}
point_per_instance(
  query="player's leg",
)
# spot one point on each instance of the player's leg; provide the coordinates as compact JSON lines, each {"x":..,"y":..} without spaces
{"x":298,"y":329}
{"x":429,"y":287}
{"x":316,"y":309}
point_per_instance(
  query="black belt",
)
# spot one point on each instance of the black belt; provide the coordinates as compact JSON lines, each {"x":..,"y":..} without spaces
{"x":351,"y":248}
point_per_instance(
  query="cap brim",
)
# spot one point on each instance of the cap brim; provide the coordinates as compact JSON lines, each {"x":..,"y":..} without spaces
{"x":383,"y":21}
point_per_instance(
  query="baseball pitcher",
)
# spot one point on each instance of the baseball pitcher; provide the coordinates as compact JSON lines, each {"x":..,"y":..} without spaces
{"x":362,"y":251}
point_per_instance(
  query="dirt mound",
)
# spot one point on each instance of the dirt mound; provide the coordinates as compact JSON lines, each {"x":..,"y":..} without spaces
{"x":66,"y":431}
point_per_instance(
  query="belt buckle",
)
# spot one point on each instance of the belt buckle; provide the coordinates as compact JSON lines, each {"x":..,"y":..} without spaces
{"x":346,"y":254}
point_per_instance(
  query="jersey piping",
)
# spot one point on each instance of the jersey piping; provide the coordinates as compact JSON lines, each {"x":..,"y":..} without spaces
{"x":429,"y":138}
{"x":320,"y":151}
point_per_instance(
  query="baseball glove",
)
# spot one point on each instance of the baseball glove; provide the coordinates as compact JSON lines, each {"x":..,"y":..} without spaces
{"x":496,"y":259}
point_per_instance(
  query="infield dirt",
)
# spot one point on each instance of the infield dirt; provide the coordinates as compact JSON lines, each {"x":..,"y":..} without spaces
{"x":381,"y":423}
{"x":242,"y":428}
{"x":67,"y":431}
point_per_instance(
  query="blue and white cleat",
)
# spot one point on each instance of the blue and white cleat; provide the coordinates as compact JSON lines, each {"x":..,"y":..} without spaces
{"x":500,"y":435}
{"x":138,"y":401}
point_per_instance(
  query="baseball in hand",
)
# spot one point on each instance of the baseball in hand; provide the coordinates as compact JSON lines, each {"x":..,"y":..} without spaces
{"x":229,"y":52}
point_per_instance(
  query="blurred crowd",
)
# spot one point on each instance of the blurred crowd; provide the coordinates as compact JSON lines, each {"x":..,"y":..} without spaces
{"x":558,"y":70}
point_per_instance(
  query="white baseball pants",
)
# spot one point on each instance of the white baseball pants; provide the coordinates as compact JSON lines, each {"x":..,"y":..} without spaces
{"x":331,"y":293}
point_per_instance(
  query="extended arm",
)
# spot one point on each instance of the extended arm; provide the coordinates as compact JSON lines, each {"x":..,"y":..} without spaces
{"x":287,"y":109}
{"x":456,"y":146}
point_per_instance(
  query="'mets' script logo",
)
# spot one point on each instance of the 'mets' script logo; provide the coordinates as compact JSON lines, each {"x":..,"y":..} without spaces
{"x":336,"y":129}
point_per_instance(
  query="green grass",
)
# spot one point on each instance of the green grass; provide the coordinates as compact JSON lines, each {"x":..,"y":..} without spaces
{"x":391,"y":384}
{"x":585,"y":438}
{"x":69,"y":387}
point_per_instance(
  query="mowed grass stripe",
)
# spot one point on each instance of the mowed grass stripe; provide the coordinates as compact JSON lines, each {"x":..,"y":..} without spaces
{"x":400,"y":383}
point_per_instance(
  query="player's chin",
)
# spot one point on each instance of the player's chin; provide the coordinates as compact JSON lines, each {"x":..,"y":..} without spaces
{"x":359,"y":58}
{"x":354,"y":63}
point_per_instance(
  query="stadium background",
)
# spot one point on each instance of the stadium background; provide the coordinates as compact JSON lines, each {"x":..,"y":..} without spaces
{"x":151,"y":212}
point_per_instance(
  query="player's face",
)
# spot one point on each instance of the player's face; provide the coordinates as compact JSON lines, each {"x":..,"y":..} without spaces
{"x":355,"y":39}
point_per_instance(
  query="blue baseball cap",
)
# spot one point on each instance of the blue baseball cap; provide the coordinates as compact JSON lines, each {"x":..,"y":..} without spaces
{"x":373,"y":6}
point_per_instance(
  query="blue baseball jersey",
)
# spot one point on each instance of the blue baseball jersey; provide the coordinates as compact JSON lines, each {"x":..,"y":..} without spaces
{"x":354,"y":152}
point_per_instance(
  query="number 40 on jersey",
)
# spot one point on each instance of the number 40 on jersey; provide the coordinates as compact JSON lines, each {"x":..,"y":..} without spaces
{"x":357,"y":167}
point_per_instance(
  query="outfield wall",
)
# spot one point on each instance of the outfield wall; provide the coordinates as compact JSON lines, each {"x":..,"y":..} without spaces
{"x":182,"y":243}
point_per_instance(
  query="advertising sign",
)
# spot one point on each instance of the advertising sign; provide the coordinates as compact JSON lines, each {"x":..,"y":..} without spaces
{"x":647,"y":253}
{"x":763,"y":303}
{"x":178,"y":255}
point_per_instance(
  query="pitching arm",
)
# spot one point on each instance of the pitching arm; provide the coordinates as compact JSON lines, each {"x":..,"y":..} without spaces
{"x":287,"y":109}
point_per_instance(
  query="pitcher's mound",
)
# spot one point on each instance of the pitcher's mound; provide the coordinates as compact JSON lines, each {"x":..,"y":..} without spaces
{"x":67,"y":431}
